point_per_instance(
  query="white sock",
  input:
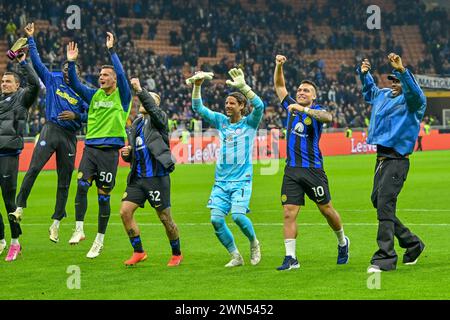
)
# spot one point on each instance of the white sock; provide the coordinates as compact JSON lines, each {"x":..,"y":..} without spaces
{"x":254,"y":243}
{"x":235,"y":252}
{"x":56,"y":223}
{"x":79,"y":225}
{"x":3,"y":241}
{"x":341,"y":237}
{"x":100,"y":237}
{"x":290,"y":244}
{"x":14,"y":241}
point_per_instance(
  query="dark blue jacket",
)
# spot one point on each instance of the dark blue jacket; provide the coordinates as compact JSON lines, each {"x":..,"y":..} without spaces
{"x":59,"y":96}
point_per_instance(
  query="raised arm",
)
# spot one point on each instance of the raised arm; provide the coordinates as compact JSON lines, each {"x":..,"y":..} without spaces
{"x":31,"y":90}
{"x":40,"y":68}
{"x":122,"y":82}
{"x":278,"y":78}
{"x":370,"y":90}
{"x":83,"y":91}
{"x":214,"y":118}
{"x":239,"y":82}
{"x":157,"y":115}
{"x":415,"y":98}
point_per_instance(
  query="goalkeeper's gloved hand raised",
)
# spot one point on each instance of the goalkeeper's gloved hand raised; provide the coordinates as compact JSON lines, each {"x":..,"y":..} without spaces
{"x":239,"y":82}
{"x":200,"y":75}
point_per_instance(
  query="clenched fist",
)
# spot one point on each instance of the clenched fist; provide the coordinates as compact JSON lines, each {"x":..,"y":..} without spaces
{"x":396,"y":62}
{"x":136,"y":84}
{"x":365,"y":66}
{"x":280,"y":60}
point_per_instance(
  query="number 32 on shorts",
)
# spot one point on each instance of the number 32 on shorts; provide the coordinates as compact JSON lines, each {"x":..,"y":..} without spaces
{"x":154,"y":195}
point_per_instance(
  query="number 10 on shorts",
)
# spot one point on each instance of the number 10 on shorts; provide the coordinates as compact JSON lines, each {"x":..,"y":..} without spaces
{"x":318,"y":191}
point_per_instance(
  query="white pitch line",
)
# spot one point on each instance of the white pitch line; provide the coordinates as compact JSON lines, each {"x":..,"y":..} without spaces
{"x":256,"y":224}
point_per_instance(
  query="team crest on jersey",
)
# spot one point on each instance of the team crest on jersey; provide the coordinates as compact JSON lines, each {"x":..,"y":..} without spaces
{"x":80,"y":175}
{"x":299,"y":127}
{"x":139,"y":141}
{"x":43,"y":143}
{"x":229,"y":138}
{"x":283,"y":198}
{"x":307,"y":121}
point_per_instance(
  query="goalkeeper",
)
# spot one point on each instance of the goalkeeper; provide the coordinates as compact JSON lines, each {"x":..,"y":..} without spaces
{"x":109,"y":108}
{"x":234,"y":170}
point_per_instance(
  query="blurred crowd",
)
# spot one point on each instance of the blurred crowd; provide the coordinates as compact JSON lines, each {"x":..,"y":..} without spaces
{"x":250,"y":35}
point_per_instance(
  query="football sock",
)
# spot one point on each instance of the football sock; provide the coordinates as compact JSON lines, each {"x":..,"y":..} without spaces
{"x":137,"y":244}
{"x":289,"y":244}
{"x":81,"y":200}
{"x":3,"y":242}
{"x":56,"y":223}
{"x":14,"y":241}
{"x":79,"y":225}
{"x":100,"y":237}
{"x":104,"y":212}
{"x":341,"y":237}
{"x":245,"y":224}
{"x":175,"y":244}
{"x":223,"y":233}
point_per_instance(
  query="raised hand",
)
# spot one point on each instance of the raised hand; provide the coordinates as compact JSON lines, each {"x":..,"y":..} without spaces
{"x":29,"y":29}
{"x":280,"y":60}
{"x":396,"y":62}
{"x":136,"y":84}
{"x":238,"y":78}
{"x":109,"y":40}
{"x":198,"y":78}
{"x":365,"y":66}
{"x":72,"y":51}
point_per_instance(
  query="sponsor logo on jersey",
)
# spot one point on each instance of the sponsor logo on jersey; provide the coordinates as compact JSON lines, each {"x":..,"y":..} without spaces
{"x":103,"y":104}
{"x":66,"y":96}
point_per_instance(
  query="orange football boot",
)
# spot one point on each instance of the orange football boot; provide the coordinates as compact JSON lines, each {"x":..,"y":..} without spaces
{"x":175,"y":261}
{"x":135,"y":258}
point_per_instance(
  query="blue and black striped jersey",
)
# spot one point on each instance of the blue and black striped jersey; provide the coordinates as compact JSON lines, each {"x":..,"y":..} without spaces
{"x":303,"y":135}
{"x":147,"y":166}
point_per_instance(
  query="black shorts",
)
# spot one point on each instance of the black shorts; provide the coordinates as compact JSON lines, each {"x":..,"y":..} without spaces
{"x":100,"y":164}
{"x":298,"y":181}
{"x":156,"y":190}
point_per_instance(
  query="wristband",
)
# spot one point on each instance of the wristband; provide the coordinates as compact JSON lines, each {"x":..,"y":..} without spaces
{"x":305,"y":110}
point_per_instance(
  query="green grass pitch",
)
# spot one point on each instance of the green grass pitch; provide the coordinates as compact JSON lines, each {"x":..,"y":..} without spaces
{"x":41,"y":271}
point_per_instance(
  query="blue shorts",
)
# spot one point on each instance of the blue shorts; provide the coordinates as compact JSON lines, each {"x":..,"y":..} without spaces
{"x":231,"y":196}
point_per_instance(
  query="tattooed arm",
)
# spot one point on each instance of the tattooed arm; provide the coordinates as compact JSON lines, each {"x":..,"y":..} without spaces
{"x":318,"y":114}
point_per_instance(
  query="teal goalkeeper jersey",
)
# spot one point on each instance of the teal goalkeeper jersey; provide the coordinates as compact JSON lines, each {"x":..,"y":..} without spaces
{"x":234,"y":162}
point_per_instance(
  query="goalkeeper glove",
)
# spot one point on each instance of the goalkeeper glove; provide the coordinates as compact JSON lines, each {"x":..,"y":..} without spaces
{"x":201,"y":75}
{"x":239,"y":82}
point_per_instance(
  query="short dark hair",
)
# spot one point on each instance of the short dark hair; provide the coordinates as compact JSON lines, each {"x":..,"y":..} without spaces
{"x":67,"y":62}
{"x":241,"y":99}
{"x":108,"y":66}
{"x":310,"y":83}
{"x":14,"y":74}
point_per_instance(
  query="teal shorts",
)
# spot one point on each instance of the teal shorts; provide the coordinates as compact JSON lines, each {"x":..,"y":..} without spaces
{"x":231,"y":196}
